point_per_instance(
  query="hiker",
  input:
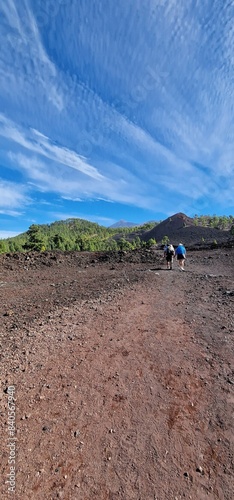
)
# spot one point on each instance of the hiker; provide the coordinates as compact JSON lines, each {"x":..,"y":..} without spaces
{"x":169,"y":253}
{"x":180,"y":255}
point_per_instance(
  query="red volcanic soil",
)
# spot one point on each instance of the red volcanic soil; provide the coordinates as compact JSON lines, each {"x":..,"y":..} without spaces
{"x":123,"y":376}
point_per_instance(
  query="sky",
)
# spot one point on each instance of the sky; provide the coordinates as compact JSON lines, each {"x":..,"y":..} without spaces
{"x":115,"y":110}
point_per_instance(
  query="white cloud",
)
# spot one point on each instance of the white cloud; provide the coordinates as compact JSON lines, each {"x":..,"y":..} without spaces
{"x":70,"y":198}
{"x":12,"y":196}
{"x":104,"y":199}
{"x":30,"y":58}
{"x":52,"y":177}
{"x":40,"y":144}
{"x":8,"y":234}
{"x":172,"y":75}
{"x":11,"y":213}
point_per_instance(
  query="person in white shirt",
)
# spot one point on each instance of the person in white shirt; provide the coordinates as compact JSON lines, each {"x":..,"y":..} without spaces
{"x":169,"y":253}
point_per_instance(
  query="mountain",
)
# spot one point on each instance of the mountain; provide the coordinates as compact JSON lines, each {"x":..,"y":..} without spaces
{"x":82,"y":235}
{"x":123,"y":223}
{"x":181,"y":228}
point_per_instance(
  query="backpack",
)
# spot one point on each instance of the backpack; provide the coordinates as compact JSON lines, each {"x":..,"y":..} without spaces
{"x":170,"y":250}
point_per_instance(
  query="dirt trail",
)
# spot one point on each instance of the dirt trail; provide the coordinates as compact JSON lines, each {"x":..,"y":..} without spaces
{"x":129,"y":395}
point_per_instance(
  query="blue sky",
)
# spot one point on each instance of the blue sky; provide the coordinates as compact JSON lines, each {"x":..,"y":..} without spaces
{"x":115,"y":110}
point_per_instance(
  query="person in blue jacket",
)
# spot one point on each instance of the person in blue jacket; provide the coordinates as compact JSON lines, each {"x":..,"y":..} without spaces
{"x":181,"y":255}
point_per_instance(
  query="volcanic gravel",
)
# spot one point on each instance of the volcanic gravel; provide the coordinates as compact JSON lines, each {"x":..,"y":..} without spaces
{"x":123,"y":375}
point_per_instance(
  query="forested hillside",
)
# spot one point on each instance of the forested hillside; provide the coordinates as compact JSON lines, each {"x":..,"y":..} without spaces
{"x":82,"y":235}
{"x":73,"y":234}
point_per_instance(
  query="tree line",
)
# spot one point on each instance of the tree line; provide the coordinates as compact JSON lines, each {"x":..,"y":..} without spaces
{"x":75,"y":234}
{"x":83,"y":235}
{"x":215,"y":221}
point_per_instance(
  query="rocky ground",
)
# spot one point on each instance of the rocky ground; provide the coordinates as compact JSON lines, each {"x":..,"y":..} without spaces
{"x":123,"y":375}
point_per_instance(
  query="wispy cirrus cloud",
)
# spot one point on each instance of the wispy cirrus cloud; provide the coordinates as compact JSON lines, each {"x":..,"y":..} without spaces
{"x":130,"y":104}
{"x":69,"y":185}
{"x":57,"y":169}
{"x":23,"y":41}
{"x":12,"y":198}
{"x":36,"y":142}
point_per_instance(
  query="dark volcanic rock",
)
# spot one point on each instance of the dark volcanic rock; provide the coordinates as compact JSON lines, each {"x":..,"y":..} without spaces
{"x":180,"y":228}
